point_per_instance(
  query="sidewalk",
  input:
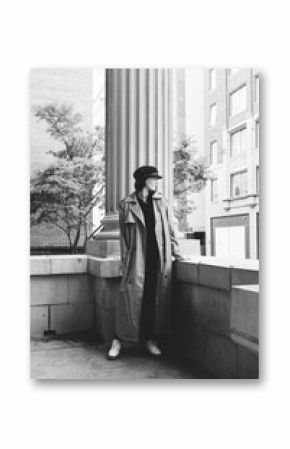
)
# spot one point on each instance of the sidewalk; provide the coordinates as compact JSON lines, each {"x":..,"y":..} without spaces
{"x":79,"y":359}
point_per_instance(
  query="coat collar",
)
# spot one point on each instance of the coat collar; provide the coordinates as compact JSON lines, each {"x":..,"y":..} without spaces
{"x":134,"y":207}
{"x":132,"y":198}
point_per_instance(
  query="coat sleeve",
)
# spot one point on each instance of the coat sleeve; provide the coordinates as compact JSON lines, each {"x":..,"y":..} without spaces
{"x":124,"y":244}
{"x":174,"y":242}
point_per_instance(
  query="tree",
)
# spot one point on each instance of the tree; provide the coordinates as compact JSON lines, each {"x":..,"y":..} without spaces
{"x":190,"y":174}
{"x":65,"y":193}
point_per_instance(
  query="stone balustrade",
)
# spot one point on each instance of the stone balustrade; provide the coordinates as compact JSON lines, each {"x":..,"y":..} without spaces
{"x":215,"y":305}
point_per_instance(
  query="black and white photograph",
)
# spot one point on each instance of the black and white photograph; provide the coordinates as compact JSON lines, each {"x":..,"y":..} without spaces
{"x":144,"y":224}
{"x":144,"y":231}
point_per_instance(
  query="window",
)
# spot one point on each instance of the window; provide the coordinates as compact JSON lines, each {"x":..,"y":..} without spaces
{"x":216,"y":153}
{"x":213,"y":152}
{"x":212,"y":79}
{"x":213,"y":111}
{"x":257,"y":180}
{"x":257,"y":88}
{"x":233,"y":71}
{"x":257,"y":133}
{"x":239,"y":184}
{"x":238,"y":100}
{"x":213,"y":190}
{"x":238,"y":142}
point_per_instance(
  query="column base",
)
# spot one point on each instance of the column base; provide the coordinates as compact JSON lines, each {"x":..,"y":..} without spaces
{"x":103,"y":248}
{"x":107,"y":242}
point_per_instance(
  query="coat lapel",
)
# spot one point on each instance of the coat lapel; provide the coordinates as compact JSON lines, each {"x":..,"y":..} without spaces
{"x":134,"y":207}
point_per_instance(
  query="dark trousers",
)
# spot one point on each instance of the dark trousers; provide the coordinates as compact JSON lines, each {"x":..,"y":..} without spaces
{"x":152,"y":266}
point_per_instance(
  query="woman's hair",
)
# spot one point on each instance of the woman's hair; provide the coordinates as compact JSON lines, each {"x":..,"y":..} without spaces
{"x":139,"y":184}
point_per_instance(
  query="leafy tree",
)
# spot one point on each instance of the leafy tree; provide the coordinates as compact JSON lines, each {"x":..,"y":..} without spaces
{"x":190,"y":175}
{"x":65,"y":193}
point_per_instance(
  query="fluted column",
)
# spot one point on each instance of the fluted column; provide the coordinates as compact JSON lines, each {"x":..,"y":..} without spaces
{"x":138,"y":132}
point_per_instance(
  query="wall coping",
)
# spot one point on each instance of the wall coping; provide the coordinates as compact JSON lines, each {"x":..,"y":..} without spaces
{"x":243,"y":264}
{"x":249,"y":288}
{"x":83,"y":263}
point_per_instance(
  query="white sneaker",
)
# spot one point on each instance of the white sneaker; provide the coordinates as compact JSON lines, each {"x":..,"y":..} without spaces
{"x":153,"y":348}
{"x":115,"y":350}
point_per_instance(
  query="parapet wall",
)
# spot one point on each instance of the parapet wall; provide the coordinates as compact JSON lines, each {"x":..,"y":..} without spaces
{"x":216,"y":315}
{"x":215,"y":306}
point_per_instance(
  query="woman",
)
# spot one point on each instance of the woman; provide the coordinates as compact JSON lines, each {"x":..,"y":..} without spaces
{"x":148,"y":242}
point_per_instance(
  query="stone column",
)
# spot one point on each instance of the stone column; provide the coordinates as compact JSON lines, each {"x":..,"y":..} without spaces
{"x":138,"y":132}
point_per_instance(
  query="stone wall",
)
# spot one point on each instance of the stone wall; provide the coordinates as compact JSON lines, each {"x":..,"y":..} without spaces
{"x":216,"y":316}
{"x":215,"y":307}
{"x":61,"y":295}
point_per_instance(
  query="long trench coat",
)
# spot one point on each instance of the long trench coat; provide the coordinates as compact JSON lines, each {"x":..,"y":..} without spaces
{"x":133,"y":254}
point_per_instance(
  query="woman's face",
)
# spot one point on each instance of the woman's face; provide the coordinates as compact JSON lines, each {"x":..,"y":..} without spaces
{"x":151,"y":183}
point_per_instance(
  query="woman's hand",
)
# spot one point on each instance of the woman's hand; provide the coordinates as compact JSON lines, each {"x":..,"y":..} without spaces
{"x":183,"y":258}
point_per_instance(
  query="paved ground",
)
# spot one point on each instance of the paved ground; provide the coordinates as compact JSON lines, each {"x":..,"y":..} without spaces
{"x":79,"y":359}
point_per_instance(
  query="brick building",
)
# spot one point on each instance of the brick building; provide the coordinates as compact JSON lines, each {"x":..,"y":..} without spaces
{"x":232,"y":149}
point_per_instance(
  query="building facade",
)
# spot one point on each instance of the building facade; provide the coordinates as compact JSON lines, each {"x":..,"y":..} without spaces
{"x":188,"y":120}
{"x":232,"y":150}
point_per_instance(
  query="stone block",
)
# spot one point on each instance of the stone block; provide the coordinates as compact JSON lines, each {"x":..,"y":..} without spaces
{"x":210,"y":308}
{"x":218,"y":277}
{"x":248,"y":364}
{"x":245,"y":311}
{"x":94,"y":266}
{"x":80,"y":288}
{"x":187,"y":271}
{"x":106,"y":292}
{"x":69,"y":264}
{"x":72,"y":318}
{"x":103,"y":248}
{"x":110,"y":268}
{"x":104,"y":268}
{"x":220,"y":357}
{"x":48,"y":290}
{"x":244,"y":276}
{"x":194,"y":345}
{"x":39,"y":265}
{"x":181,"y":303}
{"x":38,"y":320}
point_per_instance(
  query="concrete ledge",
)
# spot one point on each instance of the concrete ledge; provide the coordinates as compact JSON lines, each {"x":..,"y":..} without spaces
{"x":75,"y":264}
{"x":217,"y":273}
{"x":187,"y":271}
{"x":244,"y":275}
{"x":104,"y":268}
{"x":68,"y":264}
{"x":40,"y":265}
{"x":103,"y":248}
{"x":218,"y":277}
